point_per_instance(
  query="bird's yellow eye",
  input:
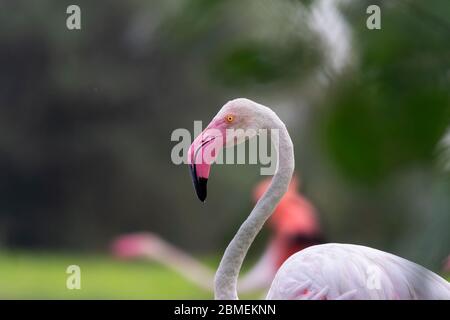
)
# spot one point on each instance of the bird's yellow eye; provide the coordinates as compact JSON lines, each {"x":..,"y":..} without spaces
{"x":229,"y":118}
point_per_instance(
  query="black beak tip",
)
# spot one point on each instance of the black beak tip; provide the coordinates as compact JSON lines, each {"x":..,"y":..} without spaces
{"x":201,"y":189}
{"x":199,"y":184}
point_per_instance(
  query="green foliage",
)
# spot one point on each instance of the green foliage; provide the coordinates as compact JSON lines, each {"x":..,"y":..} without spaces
{"x":257,"y":63}
{"x":393,"y":112}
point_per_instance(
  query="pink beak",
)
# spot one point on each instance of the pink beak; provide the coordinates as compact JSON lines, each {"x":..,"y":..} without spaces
{"x":202,"y":153}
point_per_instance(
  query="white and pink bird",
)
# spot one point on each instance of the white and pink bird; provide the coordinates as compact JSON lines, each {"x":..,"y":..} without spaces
{"x":328,"y":271}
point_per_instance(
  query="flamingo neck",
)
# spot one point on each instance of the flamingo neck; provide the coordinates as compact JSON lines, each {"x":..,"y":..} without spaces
{"x":225,"y":282}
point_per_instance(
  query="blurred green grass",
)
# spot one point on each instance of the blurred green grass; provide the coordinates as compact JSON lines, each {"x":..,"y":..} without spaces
{"x":25,"y":275}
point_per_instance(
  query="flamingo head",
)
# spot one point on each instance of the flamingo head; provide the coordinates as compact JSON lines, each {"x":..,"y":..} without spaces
{"x":238,"y":120}
{"x":136,"y":245}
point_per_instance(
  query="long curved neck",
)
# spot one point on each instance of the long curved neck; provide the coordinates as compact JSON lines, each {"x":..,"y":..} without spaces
{"x":201,"y":275}
{"x":225,"y":284}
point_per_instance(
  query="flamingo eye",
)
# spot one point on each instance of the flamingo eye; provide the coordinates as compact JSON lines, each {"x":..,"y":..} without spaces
{"x":229,"y":118}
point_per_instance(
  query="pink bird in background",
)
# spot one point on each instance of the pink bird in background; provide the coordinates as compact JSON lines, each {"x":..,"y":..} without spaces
{"x":294,"y":223}
{"x":294,"y":226}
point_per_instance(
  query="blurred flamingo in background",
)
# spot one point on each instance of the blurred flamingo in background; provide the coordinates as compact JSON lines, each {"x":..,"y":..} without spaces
{"x":328,"y":271}
{"x":150,"y":246}
{"x":294,"y":226}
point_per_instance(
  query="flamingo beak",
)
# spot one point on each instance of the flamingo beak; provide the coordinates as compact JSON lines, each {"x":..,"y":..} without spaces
{"x":201,"y":154}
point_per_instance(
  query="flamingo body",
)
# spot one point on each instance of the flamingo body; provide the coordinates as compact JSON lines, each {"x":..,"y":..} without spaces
{"x":347,"y":271}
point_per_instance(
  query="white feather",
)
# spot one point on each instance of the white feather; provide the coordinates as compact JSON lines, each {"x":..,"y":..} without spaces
{"x":356,"y":272}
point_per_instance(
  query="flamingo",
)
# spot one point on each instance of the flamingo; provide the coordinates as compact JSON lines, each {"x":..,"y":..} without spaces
{"x":294,"y":226}
{"x":327,"y":271}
